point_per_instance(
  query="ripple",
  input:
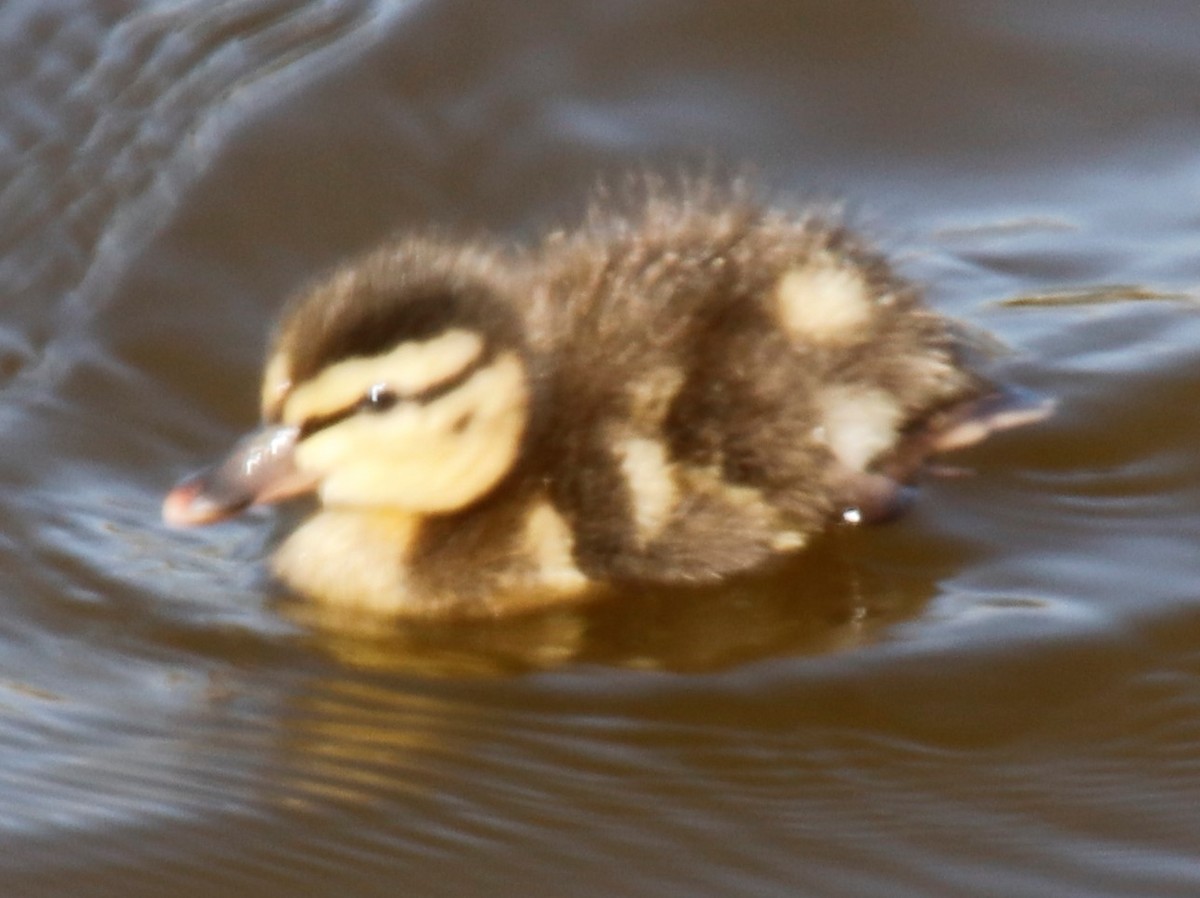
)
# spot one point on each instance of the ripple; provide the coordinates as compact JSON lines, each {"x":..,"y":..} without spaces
{"x":112,"y":118}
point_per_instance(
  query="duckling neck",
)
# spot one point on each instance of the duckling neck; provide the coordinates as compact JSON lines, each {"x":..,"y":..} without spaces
{"x":352,"y":557}
{"x":511,"y":550}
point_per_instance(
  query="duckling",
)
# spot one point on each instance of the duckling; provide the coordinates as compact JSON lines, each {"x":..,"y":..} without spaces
{"x":674,"y":393}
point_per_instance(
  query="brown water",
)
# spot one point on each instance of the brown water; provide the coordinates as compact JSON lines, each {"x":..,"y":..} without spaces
{"x":997,"y":695}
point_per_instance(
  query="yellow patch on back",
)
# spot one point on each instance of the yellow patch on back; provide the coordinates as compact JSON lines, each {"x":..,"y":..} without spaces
{"x":650,"y":478}
{"x":551,"y":546}
{"x":824,"y":301}
{"x":859,"y":424}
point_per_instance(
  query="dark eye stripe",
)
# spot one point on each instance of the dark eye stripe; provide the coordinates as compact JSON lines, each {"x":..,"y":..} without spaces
{"x":320,"y":422}
{"x":381,"y":398}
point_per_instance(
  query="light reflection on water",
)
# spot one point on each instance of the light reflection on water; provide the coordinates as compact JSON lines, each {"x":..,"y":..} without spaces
{"x":997,"y":694}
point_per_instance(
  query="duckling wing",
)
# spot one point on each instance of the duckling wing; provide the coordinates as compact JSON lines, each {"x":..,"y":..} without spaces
{"x":668,"y":524}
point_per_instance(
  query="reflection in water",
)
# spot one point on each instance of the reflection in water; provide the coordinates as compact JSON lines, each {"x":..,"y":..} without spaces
{"x":116,"y":108}
{"x":834,"y":598}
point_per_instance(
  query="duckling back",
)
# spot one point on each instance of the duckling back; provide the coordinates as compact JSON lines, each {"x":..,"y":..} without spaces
{"x":724,"y":377}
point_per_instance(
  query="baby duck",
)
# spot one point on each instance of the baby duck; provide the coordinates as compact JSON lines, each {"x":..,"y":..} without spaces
{"x":672,"y":394}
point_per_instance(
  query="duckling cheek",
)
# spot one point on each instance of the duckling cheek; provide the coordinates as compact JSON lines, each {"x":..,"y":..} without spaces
{"x":428,"y":471}
{"x":431,"y":458}
{"x":322,"y":453}
{"x":418,"y":483}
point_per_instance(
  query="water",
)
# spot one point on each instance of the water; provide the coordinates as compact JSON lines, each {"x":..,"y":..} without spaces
{"x":997,"y":695}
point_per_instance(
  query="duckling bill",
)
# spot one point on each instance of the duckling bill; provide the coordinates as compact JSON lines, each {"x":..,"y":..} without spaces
{"x":668,"y":395}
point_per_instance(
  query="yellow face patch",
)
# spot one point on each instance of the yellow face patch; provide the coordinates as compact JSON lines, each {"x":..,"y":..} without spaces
{"x":549,"y":543}
{"x":650,"y":480}
{"x":406,"y":370}
{"x":429,"y":457}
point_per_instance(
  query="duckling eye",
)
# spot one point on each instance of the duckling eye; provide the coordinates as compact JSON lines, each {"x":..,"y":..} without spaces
{"x":379,"y":398}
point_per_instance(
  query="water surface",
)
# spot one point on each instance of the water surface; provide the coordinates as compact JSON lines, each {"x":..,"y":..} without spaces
{"x":997,"y":695}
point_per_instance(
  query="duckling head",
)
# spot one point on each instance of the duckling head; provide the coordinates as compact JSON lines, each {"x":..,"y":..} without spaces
{"x":399,"y":384}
